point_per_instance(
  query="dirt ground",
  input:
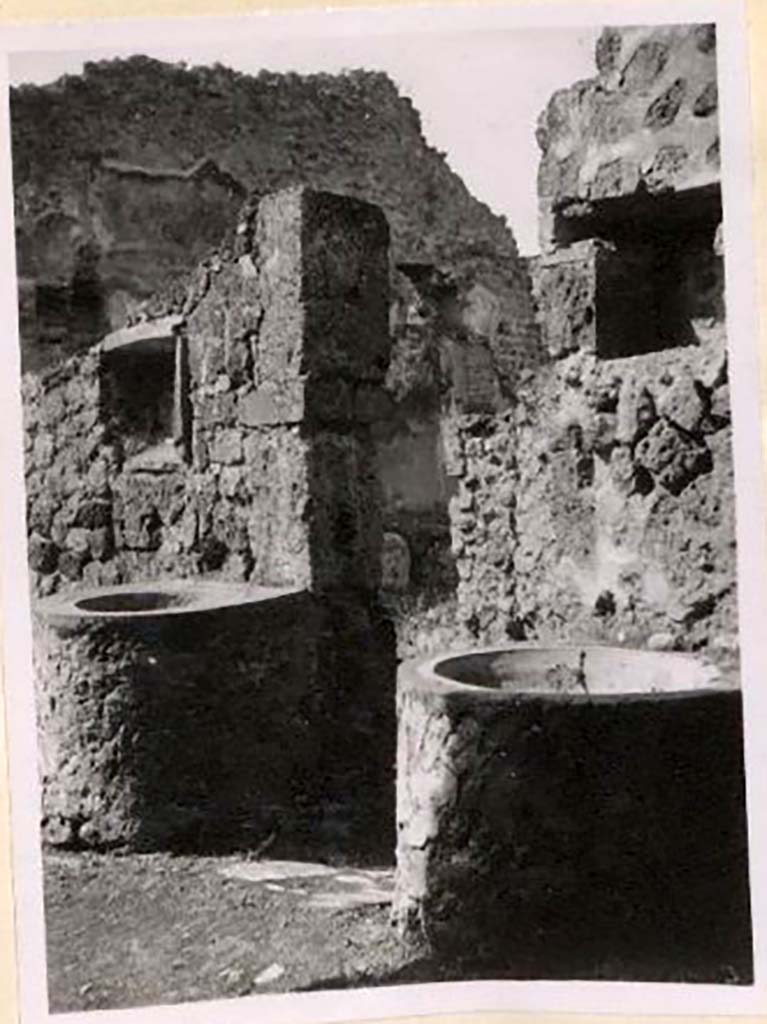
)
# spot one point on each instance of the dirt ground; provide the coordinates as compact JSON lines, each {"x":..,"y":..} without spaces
{"x":145,"y":929}
{"x":142,"y":929}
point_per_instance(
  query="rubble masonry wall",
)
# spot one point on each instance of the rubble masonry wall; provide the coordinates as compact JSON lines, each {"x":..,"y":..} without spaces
{"x":600,"y":504}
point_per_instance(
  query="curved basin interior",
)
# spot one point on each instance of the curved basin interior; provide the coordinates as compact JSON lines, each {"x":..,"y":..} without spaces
{"x":582,"y":670}
{"x":136,"y":601}
{"x":157,"y":598}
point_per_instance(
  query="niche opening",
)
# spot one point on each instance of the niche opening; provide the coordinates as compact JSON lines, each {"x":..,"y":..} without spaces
{"x":659,"y":275}
{"x":148,"y":399}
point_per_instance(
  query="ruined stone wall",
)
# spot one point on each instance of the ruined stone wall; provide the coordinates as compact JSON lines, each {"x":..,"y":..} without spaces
{"x":444,"y":365}
{"x":90,"y":519}
{"x":484,"y":464}
{"x":281,"y":352}
{"x":283,"y":366}
{"x":109,"y":225}
{"x":71,"y":467}
{"x":625,"y":515}
{"x":645,"y":124}
{"x":256,"y":465}
{"x":615,"y":515}
{"x":126,"y":176}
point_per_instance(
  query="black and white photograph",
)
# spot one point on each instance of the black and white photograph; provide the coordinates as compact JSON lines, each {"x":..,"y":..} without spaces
{"x":391,"y":588}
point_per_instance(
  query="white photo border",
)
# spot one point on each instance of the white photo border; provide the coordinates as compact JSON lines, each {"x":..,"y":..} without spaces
{"x":743,"y":342}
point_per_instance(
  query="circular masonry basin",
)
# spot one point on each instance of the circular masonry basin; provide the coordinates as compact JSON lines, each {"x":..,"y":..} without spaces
{"x":160,"y":597}
{"x":568,"y":806}
{"x":171,"y":714}
{"x":133,"y":601}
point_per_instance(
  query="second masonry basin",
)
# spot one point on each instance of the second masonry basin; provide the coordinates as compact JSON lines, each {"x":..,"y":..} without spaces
{"x":175,"y":713}
{"x":552,"y":798}
{"x":595,"y":672}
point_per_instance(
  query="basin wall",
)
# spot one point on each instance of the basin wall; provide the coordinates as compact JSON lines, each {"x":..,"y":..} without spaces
{"x":531,"y":824}
{"x":184,"y":728}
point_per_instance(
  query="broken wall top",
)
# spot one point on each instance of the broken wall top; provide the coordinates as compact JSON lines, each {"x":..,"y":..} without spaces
{"x":643,"y":128}
{"x":127,"y":175}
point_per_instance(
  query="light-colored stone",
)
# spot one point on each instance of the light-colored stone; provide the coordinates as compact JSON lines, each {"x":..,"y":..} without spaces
{"x":162,"y":330}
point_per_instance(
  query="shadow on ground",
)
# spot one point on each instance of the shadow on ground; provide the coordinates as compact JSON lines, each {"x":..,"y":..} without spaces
{"x":149,"y":929}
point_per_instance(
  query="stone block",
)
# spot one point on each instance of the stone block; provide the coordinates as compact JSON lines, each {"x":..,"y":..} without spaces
{"x":42,"y":553}
{"x":71,"y":564}
{"x":78,"y":539}
{"x":278,"y":245}
{"x":59,"y":528}
{"x":52,"y":408}
{"x":601,"y":431}
{"x":101,"y":543}
{"x":213,"y":408}
{"x":139,"y":530}
{"x":663,"y":110}
{"x":144,"y":505}
{"x":207,"y":349}
{"x":636,"y":411}
{"x":311,"y":401}
{"x":674,"y":459}
{"x":92,"y":514}
{"x":565,"y":285}
{"x":225,"y":446}
{"x":43,"y":449}
{"x":665,"y":168}
{"x":323,"y":264}
{"x":681,"y":402}
{"x":661,"y":642}
{"x":272,"y":404}
{"x":646,"y":63}
{"x":232,"y":482}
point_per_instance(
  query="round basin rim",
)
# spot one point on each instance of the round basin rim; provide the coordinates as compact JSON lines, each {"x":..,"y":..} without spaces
{"x":421,"y":673}
{"x":203,"y":595}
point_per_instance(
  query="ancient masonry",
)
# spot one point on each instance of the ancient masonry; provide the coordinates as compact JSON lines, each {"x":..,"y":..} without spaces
{"x":599,"y":505}
{"x":586,"y":797}
{"x":114,"y":221}
{"x":528,"y":449}
{"x":248,"y":457}
{"x":590,"y":472}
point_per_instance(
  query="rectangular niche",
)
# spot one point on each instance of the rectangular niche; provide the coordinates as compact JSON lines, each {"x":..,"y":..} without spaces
{"x":655,"y":276}
{"x":147,"y":394}
{"x":640,"y":303}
